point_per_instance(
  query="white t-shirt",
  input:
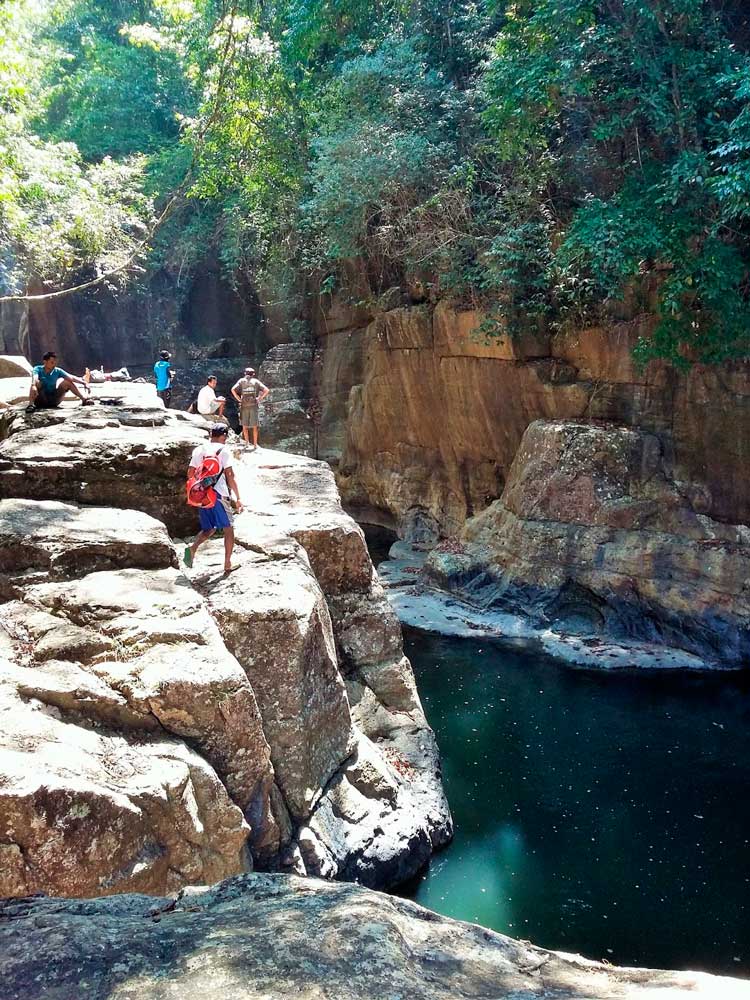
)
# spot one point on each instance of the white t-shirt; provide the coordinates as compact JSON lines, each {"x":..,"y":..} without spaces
{"x":225,"y":461}
{"x":207,"y":400}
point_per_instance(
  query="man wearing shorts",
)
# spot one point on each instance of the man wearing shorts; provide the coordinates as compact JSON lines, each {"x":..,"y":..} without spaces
{"x":220,"y":515}
{"x":50,"y":383}
{"x":249,"y":391}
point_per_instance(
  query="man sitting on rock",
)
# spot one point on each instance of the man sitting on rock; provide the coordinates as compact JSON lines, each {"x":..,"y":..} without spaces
{"x":209,"y":404}
{"x":220,"y":515}
{"x":50,"y":383}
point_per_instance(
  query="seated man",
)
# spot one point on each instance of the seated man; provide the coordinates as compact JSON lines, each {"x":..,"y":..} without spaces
{"x":50,"y":383}
{"x":210,"y":405}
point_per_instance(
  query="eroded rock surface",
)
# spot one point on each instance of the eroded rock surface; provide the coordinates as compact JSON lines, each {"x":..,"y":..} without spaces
{"x":271,"y":937}
{"x":423,"y":410}
{"x":89,"y":811}
{"x":285,"y":420}
{"x":130,"y":455}
{"x":305,"y":735}
{"x":593,"y":530}
{"x":382,"y":810}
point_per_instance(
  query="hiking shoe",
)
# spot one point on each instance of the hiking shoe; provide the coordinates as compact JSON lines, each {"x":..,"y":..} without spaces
{"x":87,"y":402}
{"x":30,"y":408}
{"x":187,"y":557}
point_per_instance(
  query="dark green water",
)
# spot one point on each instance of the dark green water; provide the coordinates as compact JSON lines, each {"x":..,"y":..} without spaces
{"x":606,"y":815}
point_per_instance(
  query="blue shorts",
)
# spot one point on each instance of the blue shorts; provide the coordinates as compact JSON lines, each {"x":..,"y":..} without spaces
{"x":218,"y":516}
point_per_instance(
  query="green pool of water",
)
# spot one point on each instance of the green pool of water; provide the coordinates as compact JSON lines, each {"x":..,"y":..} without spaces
{"x":602,"y":814}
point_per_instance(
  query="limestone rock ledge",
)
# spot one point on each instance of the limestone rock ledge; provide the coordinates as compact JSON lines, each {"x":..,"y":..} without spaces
{"x":271,"y":937}
{"x":167,"y":728}
{"x":593,"y":533}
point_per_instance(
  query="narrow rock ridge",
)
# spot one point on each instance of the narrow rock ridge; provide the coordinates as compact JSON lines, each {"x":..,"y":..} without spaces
{"x":162,"y":727}
{"x":270,"y":937}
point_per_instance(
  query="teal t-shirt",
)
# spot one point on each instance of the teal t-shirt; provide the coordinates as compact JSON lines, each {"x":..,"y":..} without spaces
{"x":49,"y":380}
{"x":161,"y":370}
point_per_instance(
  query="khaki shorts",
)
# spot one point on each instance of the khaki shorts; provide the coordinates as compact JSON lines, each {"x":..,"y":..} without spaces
{"x":249,"y":415}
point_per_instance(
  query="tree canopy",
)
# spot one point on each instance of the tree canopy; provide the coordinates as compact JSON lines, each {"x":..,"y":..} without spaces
{"x":543,"y":158}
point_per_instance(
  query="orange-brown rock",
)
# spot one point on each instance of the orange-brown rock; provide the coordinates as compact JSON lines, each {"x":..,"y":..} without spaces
{"x":423,"y":409}
{"x":592,"y":529}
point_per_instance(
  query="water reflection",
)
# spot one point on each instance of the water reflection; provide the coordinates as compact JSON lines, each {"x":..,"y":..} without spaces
{"x":601,"y":814}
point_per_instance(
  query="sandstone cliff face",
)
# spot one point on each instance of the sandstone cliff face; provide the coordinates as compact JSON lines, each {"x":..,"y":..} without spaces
{"x":423,"y":413}
{"x":270,"y":937}
{"x":166,"y":729}
{"x":636,"y":493}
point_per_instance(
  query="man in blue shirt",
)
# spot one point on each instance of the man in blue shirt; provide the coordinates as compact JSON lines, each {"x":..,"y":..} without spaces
{"x":164,"y":375}
{"x":50,"y":383}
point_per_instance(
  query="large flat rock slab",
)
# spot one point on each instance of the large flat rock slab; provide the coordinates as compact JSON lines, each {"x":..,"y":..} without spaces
{"x":297,"y":497}
{"x":46,"y":539}
{"x":101,"y":629}
{"x":271,"y":937}
{"x":132,"y":455}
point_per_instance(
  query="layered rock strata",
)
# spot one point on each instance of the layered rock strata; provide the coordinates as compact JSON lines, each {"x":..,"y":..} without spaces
{"x":423,"y":408}
{"x":592,"y":532}
{"x":286,"y":419}
{"x":268,"y":937}
{"x":166,"y":729}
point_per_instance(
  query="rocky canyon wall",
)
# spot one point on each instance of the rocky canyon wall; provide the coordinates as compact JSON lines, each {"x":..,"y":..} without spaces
{"x":422,"y":411}
{"x":423,"y":414}
{"x":195,"y":316}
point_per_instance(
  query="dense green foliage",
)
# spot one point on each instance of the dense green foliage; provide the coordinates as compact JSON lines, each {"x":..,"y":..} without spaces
{"x":543,"y":158}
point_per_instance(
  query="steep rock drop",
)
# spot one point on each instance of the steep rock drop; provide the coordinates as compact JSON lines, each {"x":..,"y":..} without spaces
{"x":431,"y":422}
{"x":268,"y":718}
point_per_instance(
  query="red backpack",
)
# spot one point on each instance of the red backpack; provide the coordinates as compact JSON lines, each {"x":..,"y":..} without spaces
{"x":201,"y":482}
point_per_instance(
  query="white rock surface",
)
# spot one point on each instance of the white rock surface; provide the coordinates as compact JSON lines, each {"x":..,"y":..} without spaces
{"x":286,"y":679}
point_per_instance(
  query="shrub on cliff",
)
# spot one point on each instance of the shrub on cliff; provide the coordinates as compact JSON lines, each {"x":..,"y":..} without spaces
{"x":633,"y":115}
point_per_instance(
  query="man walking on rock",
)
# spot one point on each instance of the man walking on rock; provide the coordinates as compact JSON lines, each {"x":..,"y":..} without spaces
{"x":50,"y":383}
{"x":220,"y":515}
{"x":249,"y":392}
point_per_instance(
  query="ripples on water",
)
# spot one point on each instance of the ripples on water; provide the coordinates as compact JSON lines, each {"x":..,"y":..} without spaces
{"x":600,"y":814}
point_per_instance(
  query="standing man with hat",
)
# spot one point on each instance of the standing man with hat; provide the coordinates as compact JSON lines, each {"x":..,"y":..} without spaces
{"x":249,"y":391}
{"x":164,"y":375}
